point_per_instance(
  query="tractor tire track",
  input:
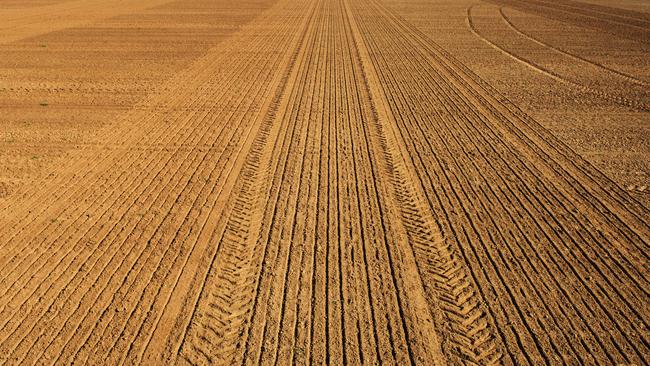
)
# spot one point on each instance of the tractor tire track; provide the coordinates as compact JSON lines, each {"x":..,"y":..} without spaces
{"x":578,"y":58}
{"x":636,"y":276}
{"x":172,"y":202}
{"x":345,"y":184}
{"x":618,"y":99}
{"x":328,"y":186}
{"x":637,"y":30}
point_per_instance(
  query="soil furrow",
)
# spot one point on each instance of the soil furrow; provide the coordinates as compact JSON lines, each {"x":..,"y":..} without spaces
{"x":328,"y":184}
{"x":463,"y":169}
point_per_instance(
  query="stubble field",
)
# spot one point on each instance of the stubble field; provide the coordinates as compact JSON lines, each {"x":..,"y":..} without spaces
{"x":324,"y":182}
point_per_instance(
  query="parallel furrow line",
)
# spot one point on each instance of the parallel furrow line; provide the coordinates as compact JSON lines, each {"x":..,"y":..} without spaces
{"x":634,"y":104}
{"x":512,"y":26}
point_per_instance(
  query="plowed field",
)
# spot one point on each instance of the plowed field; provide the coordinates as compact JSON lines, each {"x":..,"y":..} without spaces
{"x":324,"y":182}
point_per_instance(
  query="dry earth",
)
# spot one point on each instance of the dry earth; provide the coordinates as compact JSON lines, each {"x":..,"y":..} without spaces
{"x":324,"y":181}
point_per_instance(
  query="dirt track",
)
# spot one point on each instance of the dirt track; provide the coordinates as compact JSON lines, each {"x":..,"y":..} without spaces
{"x":322,"y":182}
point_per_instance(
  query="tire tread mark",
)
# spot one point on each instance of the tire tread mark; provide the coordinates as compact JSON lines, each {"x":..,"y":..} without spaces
{"x":222,"y":313}
{"x":512,"y":26}
{"x":467,"y":337}
{"x":627,"y":102}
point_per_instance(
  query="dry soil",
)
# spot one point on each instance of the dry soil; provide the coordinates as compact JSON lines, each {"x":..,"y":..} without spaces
{"x":324,"y":182}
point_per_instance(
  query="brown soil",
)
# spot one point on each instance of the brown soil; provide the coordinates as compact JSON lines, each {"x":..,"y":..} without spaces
{"x":308,"y":181}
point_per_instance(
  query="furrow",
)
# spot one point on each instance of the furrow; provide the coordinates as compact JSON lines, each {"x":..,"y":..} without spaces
{"x":624,"y":28}
{"x":226,"y":305}
{"x":471,"y":188}
{"x":519,"y":31}
{"x":622,"y":100}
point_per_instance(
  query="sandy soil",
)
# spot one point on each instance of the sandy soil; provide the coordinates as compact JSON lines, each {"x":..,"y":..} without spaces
{"x":341,"y":182}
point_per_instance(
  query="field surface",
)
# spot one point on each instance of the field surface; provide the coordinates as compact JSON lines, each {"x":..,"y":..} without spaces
{"x":324,"y":182}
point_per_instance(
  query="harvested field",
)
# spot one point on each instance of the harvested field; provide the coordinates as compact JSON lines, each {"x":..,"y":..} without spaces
{"x":309,"y":181}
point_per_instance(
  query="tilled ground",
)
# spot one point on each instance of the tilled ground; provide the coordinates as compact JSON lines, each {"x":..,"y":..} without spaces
{"x":311,"y":181}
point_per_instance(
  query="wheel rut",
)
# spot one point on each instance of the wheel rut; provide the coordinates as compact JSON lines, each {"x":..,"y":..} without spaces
{"x":329,"y":186}
{"x":615,"y":97}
